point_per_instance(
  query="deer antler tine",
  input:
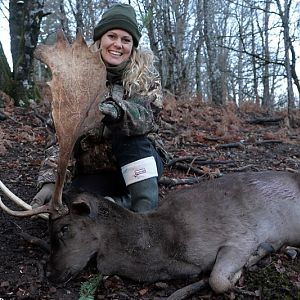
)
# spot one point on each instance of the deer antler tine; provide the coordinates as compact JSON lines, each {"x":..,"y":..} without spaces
{"x":61,"y":38}
{"x":13,"y":197}
{"x":16,"y":200}
{"x":27,"y":213}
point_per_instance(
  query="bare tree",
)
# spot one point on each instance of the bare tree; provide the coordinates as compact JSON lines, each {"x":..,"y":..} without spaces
{"x":213,"y":68}
{"x":24,"y":22}
{"x":266,"y":101}
{"x":6,"y":82}
{"x":254,"y":59}
{"x":293,"y":69}
{"x":284,"y":14}
{"x":219,"y":50}
{"x":172,"y":39}
{"x":242,"y":25}
{"x":5,"y":74}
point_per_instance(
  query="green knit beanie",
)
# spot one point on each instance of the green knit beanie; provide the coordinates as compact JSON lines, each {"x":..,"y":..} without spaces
{"x":119,"y":16}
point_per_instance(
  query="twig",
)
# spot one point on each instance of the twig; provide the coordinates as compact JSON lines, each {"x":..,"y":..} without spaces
{"x":292,"y":248}
{"x":268,"y":142}
{"x":199,"y":161}
{"x":266,"y":121}
{"x":184,"y":158}
{"x":190,"y":144}
{"x":11,"y":118}
{"x":40,"y":117}
{"x":31,"y":239}
{"x":245,"y":293}
{"x":178,"y":181}
{"x":215,"y":162}
{"x":243,"y":168}
{"x":212,"y":138}
{"x":189,"y":168}
{"x":3,"y":116}
{"x":188,"y":290}
{"x":35,"y":241}
{"x":231,"y":145}
{"x":291,"y":170}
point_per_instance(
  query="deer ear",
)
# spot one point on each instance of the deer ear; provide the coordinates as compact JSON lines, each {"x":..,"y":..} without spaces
{"x":84,"y":206}
{"x":81,"y":208}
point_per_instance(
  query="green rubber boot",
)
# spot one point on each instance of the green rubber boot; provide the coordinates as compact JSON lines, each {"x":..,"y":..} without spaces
{"x":144,"y":195}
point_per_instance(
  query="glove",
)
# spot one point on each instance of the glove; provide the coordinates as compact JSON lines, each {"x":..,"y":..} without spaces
{"x":117,"y":92}
{"x":43,"y":196}
{"x":111,"y":111}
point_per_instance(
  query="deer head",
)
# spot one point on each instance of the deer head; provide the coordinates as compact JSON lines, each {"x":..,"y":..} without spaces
{"x":77,"y":86}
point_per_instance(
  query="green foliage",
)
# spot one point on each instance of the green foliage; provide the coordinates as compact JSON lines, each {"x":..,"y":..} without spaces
{"x":273,"y":282}
{"x":89,"y":288}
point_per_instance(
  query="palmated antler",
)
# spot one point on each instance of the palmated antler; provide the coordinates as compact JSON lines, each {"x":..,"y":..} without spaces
{"x":77,"y":85}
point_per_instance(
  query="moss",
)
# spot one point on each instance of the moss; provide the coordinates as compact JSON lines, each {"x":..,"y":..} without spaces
{"x":273,"y":283}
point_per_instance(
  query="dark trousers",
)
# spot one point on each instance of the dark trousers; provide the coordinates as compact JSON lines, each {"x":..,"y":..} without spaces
{"x":126,"y":150}
{"x":129,"y":149}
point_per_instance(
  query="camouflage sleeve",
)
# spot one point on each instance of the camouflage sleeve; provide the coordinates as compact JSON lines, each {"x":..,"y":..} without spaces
{"x":140,"y":112}
{"x":48,"y":169}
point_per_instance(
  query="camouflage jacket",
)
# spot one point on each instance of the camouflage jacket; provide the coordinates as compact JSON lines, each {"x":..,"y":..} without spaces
{"x":92,"y":152}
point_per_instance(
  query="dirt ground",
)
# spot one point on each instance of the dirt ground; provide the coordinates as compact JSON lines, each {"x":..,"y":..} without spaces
{"x":223,"y":140}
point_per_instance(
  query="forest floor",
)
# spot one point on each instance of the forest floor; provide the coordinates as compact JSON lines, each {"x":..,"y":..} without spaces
{"x":223,"y":141}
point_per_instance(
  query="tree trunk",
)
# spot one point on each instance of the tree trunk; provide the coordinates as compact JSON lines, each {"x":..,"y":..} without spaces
{"x":266,"y":101}
{"x":285,"y":18}
{"x":5,"y":74}
{"x":240,"y":63}
{"x":24,"y":24}
{"x":64,"y":20}
{"x":214,"y":75}
{"x":293,"y":70}
{"x":253,"y":60}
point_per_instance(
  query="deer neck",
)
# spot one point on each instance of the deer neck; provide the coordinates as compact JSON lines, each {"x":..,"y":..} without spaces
{"x":131,"y":239}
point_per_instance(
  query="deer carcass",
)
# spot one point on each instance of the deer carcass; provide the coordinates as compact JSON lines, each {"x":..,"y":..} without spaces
{"x":218,"y":225}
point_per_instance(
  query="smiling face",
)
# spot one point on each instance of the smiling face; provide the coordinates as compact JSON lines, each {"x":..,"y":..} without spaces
{"x":116,"y":46}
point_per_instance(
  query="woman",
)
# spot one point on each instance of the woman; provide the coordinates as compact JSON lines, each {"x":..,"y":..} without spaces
{"x":129,"y":125}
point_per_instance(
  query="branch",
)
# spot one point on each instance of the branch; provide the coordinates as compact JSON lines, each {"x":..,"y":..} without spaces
{"x":35,"y":241}
{"x":266,"y":121}
{"x":188,"y":290}
{"x":167,"y":181}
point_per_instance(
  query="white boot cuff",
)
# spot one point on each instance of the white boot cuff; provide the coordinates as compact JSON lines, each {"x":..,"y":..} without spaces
{"x":139,"y":170}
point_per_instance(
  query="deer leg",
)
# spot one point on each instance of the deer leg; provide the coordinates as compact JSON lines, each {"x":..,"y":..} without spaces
{"x":227,"y":268}
{"x":262,"y":250}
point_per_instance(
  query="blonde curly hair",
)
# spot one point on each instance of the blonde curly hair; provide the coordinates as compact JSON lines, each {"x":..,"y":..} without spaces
{"x":140,"y":75}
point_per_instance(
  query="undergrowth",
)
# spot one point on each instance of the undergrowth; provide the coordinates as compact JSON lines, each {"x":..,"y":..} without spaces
{"x":89,"y":288}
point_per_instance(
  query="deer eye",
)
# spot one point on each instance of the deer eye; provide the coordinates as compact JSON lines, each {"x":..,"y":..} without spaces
{"x":64,"y":229}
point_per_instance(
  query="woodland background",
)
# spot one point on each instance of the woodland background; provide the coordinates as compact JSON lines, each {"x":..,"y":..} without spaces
{"x":219,"y":51}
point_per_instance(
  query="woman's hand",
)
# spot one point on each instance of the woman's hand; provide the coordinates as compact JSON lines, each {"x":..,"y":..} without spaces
{"x":43,"y":196}
{"x":111,"y":110}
